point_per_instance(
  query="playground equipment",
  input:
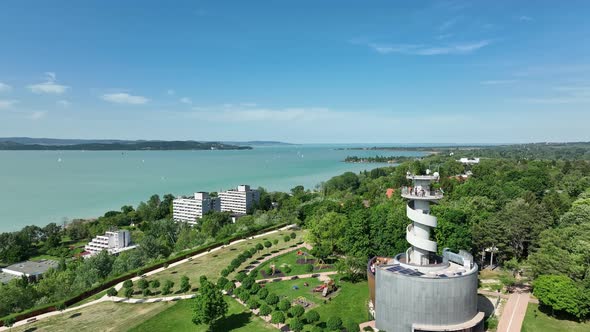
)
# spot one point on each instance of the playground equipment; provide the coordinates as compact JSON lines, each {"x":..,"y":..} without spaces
{"x":327,"y":288}
{"x":302,"y":301}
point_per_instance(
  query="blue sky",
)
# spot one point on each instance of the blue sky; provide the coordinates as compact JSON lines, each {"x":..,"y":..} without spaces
{"x":297,"y":71}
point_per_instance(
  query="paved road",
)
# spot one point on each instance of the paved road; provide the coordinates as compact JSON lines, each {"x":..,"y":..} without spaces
{"x":513,"y":313}
{"x":151,"y":300}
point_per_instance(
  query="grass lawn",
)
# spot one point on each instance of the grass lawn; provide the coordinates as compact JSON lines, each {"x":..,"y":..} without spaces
{"x":350,"y":303}
{"x":212,"y":264}
{"x":290,"y":260}
{"x":105,"y":316}
{"x":543,"y":322}
{"x":178,"y":318}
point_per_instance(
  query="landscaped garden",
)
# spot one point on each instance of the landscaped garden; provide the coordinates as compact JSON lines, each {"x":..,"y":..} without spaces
{"x":212,"y":265}
{"x":301,"y":303}
{"x":296,"y":262}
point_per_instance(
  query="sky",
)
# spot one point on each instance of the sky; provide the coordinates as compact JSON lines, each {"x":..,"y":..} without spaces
{"x":296,"y":71}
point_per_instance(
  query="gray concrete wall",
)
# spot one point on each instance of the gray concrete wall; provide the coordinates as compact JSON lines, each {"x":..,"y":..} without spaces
{"x":403,"y":300}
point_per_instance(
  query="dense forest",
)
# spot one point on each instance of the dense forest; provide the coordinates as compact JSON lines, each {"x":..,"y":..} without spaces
{"x":533,"y":208}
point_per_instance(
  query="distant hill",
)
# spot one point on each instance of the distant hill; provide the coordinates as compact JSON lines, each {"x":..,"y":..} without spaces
{"x":124,"y":146}
{"x":66,"y":141}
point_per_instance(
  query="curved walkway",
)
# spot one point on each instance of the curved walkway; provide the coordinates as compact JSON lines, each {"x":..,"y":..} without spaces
{"x":323,"y":276}
{"x":514,"y":312}
{"x":150,"y":300}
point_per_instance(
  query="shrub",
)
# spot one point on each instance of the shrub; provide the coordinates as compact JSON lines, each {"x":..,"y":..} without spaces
{"x":185,"y":286}
{"x":229,"y":287}
{"x":272,"y":299}
{"x":225,"y":272}
{"x":248,"y":282}
{"x":244,"y":296}
{"x":241,"y":276}
{"x":8,"y":322}
{"x":334,"y":324}
{"x":259,"y":246}
{"x":128,"y":292}
{"x":253,"y":250}
{"x":297,"y":311}
{"x":262,"y":293}
{"x":167,"y":287}
{"x":284,"y":305}
{"x":267,"y":244}
{"x":255,"y":288}
{"x":155,"y":284}
{"x":112,"y":292}
{"x":287,"y":269}
{"x":128,"y":283}
{"x":287,"y":238}
{"x":312,"y":316}
{"x":319,"y":329}
{"x":293,"y":235}
{"x":221,"y":282}
{"x":62,"y":306}
{"x":296,"y":324}
{"x":142,"y":284}
{"x":265,"y":310}
{"x":277,"y":317}
{"x":275,"y":242}
{"x":252,"y":303}
{"x":309,"y":268}
{"x":146,"y":292}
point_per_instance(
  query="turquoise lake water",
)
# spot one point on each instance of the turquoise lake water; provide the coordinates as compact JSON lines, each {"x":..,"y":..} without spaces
{"x":38,"y":187}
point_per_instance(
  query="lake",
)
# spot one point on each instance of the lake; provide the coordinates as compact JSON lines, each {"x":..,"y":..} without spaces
{"x":39,"y":187}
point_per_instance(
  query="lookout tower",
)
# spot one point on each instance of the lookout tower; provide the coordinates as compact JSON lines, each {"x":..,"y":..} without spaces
{"x":419,"y":290}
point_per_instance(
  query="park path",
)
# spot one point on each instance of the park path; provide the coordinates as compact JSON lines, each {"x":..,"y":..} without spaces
{"x":322,"y":276}
{"x":150,"y":300}
{"x":514,"y":312}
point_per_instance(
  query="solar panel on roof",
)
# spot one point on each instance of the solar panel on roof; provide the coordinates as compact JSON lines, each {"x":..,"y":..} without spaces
{"x":406,"y":271}
{"x":443,"y":275}
{"x":395,"y":268}
{"x":417,"y":274}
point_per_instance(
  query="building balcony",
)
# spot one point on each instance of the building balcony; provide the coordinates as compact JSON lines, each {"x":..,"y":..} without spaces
{"x":421,"y":194}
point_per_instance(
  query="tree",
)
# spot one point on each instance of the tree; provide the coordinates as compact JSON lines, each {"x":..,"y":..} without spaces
{"x":325,"y":231}
{"x":286,"y":238}
{"x":296,"y":324}
{"x":112,"y":292}
{"x":297,"y":311}
{"x":312,"y":316}
{"x":284,"y":305}
{"x":275,"y":242}
{"x":293,"y":235}
{"x":8,"y":322}
{"x":267,"y":244}
{"x":128,"y":283}
{"x":185,"y":286}
{"x":155,"y":284}
{"x":255,"y":288}
{"x":265,"y":310}
{"x":252,"y":303}
{"x":241,"y":276}
{"x":262,"y":293}
{"x":278,"y":317}
{"x":128,"y":292}
{"x":209,"y":305}
{"x":308,"y":268}
{"x":334,"y":324}
{"x":560,"y":293}
{"x":259,"y":246}
{"x":146,"y":292}
{"x":272,"y":299}
{"x":352,"y":268}
{"x":142,"y":284}
{"x":167,"y":287}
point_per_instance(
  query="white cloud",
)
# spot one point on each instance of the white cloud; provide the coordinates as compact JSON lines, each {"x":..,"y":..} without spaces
{"x":525,"y":18}
{"x":37,"y":115}
{"x":6,"y":104}
{"x":124,"y":98}
{"x":186,"y":100}
{"x":241,"y":113}
{"x":5,"y":87}
{"x":497,"y":82}
{"x":63,"y":103}
{"x":418,"y":49}
{"x":50,"y":86}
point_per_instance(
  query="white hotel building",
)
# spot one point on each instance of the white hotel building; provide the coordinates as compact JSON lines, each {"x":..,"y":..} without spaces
{"x":114,"y":242}
{"x":189,"y":209}
{"x":239,"y":200}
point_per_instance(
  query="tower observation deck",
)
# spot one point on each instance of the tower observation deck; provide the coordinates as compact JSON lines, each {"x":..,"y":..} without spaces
{"x":419,"y":290}
{"x":420,"y":195}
